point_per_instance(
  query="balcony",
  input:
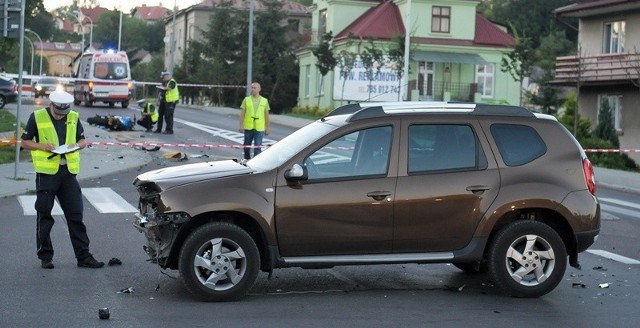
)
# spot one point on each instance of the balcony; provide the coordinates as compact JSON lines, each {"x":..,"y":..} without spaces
{"x":436,"y":92}
{"x":619,"y":68}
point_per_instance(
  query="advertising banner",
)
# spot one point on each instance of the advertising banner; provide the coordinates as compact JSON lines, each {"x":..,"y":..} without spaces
{"x":383,"y":86}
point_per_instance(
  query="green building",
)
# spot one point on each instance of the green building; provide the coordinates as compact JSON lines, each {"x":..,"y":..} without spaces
{"x":454,"y":53}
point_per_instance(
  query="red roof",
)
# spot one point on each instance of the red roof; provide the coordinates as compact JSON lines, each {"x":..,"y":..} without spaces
{"x":488,"y":33}
{"x":380,"y":22}
{"x":93,"y":14}
{"x":149,"y":13}
{"x":385,"y":22}
{"x":597,"y":7}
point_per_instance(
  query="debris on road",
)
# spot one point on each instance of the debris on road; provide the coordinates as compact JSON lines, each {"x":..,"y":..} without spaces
{"x":126,"y":291}
{"x":114,"y":261}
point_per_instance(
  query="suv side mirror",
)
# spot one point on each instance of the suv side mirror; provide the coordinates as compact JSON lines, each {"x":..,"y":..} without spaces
{"x":296,"y":173}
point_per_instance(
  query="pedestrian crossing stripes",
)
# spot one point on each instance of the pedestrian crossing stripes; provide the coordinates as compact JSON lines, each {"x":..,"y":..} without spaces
{"x":105,"y":200}
{"x":616,"y":206}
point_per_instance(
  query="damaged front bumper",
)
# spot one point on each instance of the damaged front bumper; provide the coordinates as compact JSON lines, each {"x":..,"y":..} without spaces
{"x":160,"y":232}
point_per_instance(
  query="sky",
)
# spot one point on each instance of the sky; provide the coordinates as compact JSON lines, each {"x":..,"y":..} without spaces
{"x":127,"y":5}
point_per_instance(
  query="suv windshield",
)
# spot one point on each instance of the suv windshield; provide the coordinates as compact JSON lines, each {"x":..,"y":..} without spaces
{"x":273,"y":156}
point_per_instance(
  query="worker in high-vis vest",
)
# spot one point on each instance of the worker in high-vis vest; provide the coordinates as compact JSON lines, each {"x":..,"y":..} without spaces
{"x":149,"y":114}
{"x":254,"y":120}
{"x":168,"y":98}
{"x":55,"y":136}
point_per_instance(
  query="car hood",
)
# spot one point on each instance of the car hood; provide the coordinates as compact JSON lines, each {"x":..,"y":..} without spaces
{"x":178,"y":175}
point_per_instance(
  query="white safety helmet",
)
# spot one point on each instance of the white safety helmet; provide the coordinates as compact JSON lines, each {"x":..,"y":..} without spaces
{"x":61,"y":102}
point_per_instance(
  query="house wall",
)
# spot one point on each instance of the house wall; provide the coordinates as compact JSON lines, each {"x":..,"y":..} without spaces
{"x":630,"y":135}
{"x":341,"y":13}
{"x":462,"y":18}
{"x":591,"y":35}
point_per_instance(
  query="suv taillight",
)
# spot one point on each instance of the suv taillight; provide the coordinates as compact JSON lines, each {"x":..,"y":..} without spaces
{"x":589,"y":176}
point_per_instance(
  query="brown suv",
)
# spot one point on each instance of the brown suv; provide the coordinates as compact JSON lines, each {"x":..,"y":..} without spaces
{"x":484,"y":187}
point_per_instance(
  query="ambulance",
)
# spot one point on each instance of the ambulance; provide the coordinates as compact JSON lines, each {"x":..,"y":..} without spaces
{"x":102,"y":76}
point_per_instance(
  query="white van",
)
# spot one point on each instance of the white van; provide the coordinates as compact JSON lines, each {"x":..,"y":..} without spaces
{"x":103,"y":76}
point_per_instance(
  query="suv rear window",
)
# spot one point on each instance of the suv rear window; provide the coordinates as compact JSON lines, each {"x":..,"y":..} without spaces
{"x":518,"y":144}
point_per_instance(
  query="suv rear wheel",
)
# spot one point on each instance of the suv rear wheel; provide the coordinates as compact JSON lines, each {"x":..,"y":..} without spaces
{"x":219,"y":262}
{"x":527,"y":259}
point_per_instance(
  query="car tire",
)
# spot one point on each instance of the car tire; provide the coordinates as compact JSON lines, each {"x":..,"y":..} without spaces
{"x":3,"y":101}
{"x":224,"y":248}
{"x":125,"y":104}
{"x":527,"y":259}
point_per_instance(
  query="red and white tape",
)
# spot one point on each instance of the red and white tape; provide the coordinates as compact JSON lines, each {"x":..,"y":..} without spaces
{"x":235,"y":146}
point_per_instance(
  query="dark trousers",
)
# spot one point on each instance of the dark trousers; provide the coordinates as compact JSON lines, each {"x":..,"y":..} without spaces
{"x":145,"y":121}
{"x":65,"y":186}
{"x":255,"y":137}
{"x":165,"y":111}
{"x":161,"y":109}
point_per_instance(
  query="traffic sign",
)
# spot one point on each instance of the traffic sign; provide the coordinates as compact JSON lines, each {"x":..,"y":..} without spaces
{"x":10,"y":18}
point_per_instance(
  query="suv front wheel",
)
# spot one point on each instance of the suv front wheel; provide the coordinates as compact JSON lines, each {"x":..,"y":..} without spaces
{"x":527,"y":259}
{"x":219,"y":262}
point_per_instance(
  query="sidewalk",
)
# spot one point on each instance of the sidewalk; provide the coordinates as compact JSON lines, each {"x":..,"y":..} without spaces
{"x":103,"y":160}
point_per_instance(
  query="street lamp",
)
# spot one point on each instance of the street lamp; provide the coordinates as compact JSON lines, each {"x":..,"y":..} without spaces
{"x":41,"y":49}
{"x":82,"y":26}
{"x":77,"y":12}
{"x":32,"y":50}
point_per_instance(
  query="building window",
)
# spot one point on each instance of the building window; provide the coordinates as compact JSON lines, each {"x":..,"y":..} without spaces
{"x":614,"y":37}
{"x":322,"y":24}
{"x":440,"y":19}
{"x":484,"y":79}
{"x":319,"y":84}
{"x":307,"y":80}
{"x":293,"y":25}
{"x":615,"y":106}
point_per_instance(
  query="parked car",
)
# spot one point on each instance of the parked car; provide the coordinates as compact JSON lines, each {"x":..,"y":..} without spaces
{"x":45,"y":86}
{"x":485,"y":187}
{"x":8,"y":91}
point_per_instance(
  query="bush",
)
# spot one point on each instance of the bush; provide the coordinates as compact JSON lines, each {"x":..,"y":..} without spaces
{"x":608,"y":160}
{"x":311,"y":112}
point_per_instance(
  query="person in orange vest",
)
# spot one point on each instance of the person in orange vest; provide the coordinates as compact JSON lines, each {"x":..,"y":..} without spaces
{"x":254,"y":120}
{"x":55,"y":136}
{"x":149,"y":115}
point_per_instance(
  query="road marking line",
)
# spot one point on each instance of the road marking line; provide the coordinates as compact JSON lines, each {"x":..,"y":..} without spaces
{"x":105,"y":200}
{"x":28,"y":203}
{"x":613,"y":256}
{"x":619,"y":202}
{"x":619,"y":210}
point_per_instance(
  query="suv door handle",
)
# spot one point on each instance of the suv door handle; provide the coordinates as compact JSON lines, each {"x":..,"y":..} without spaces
{"x":478,"y":190}
{"x":379,"y":195}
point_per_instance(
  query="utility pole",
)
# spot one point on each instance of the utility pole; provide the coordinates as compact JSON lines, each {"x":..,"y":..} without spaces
{"x":250,"y":49}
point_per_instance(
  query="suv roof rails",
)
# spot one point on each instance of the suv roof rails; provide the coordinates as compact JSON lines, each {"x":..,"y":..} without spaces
{"x":361,"y":111}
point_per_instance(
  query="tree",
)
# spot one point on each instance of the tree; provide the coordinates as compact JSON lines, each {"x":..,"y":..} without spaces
{"x":605,"y":129}
{"x":346,"y":61}
{"x":536,"y":20}
{"x":395,"y":60}
{"x":274,"y":65}
{"x":372,"y":60}
{"x":220,"y":57}
{"x":518,"y":62}
{"x":326,"y":60}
